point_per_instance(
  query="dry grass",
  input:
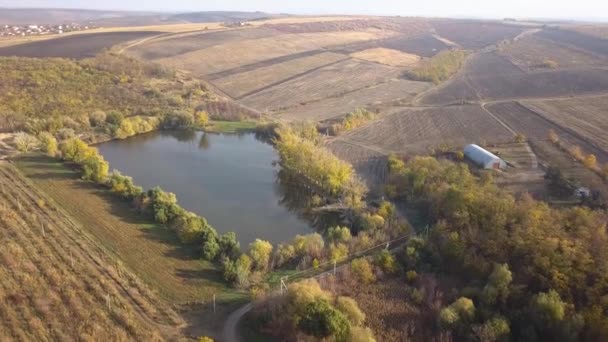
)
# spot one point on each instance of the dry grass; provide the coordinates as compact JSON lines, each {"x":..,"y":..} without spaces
{"x":234,"y":54}
{"x":55,"y":283}
{"x":152,"y":251}
{"x":596,"y":30}
{"x":303,"y":19}
{"x":388,"y":57}
{"x":247,"y":82}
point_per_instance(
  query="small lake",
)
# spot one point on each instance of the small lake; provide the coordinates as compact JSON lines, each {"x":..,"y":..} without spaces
{"x":229,"y":179}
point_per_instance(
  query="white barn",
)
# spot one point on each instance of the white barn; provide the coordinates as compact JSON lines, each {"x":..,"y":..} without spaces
{"x":483,"y":158}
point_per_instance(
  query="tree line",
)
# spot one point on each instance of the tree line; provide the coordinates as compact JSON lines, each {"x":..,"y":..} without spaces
{"x":528,"y":271}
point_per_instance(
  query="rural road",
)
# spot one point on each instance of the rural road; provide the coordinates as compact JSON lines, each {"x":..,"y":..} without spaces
{"x":230,"y":332}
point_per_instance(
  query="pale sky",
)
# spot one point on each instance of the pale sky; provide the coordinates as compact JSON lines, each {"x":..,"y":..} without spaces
{"x":562,"y":9}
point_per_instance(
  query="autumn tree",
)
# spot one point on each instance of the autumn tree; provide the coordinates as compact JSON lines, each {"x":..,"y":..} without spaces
{"x":260,"y":252}
{"x":48,"y":144}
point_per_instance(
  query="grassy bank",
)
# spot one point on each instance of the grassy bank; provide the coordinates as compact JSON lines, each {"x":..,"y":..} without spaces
{"x":230,"y":126}
{"x":149,"y":249}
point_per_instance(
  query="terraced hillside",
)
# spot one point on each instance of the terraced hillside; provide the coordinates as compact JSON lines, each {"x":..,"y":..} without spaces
{"x":57,"y":284}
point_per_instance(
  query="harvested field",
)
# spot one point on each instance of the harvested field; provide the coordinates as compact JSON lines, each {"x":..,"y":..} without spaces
{"x":57,"y":284}
{"x":418,"y":131}
{"x":535,"y":127}
{"x":235,"y":54}
{"x":475,"y":34}
{"x":533,"y":52}
{"x":582,"y":41}
{"x":335,"y":80}
{"x":424,"y":45}
{"x":407,"y":26}
{"x":74,"y":46}
{"x":249,"y":82}
{"x":595,"y":30}
{"x":180,"y":44}
{"x":150,"y":250}
{"x":395,"y":90}
{"x":387,"y":57}
{"x":587,"y":116}
{"x":488,"y":76}
{"x":370,"y":165}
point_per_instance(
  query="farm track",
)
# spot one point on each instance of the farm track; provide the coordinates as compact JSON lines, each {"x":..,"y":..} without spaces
{"x":65,"y":244}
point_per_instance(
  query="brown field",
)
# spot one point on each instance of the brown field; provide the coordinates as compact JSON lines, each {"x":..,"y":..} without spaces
{"x":424,"y":45}
{"x":228,"y":110}
{"x":581,"y":41}
{"x":420,"y":130}
{"x":235,"y":54}
{"x":173,"y":45}
{"x":74,"y":46}
{"x":531,"y":52}
{"x":334,"y":80}
{"x":587,"y":116}
{"x":475,"y":34}
{"x":536,"y":127}
{"x":387,"y":57}
{"x":487,"y":76}
{"x":249,"y":82}
{"x":380,"y":95}
{"x":57,"y":284}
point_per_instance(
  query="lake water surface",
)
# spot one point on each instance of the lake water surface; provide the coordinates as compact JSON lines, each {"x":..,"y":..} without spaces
{"x":228,"y":179}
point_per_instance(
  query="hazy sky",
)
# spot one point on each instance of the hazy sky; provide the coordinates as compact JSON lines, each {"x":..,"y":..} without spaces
{"x":579,"y":9}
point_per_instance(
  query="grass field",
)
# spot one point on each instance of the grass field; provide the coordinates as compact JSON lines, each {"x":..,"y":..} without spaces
{"x":152,"y":251}
{"x":242,"y":84}
{"x":230,"y":126}
{"x":57,"y":284}
{"x":388,"y":57}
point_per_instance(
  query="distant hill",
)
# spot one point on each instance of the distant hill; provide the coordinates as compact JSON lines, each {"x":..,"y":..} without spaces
{"x":220,"y":16}
{"x":25,"y":16}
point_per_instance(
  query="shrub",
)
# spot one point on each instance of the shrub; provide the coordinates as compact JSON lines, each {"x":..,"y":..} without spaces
{"x":338,"y":234}
{"x":338,"y":252}
{"x":97,"y":118}
{"x":114,"y":118}
{"x":164,"y":205}
{"x":553,"y":136}
{"x":520,"y":138}
{"x":590,"y":161}
{"x":362,"y":269}
{"x":359,"y":334}
{"x":25,"y":142}
{"x":123,"y":185}
{"x":309,"y":245}
{"x":229,"y":245}
{"x":411,"y":276}
{"x":350,"y":308}
{"x":201,"y":118}
{"x":48,"y":144}
{"x":386,"y":261}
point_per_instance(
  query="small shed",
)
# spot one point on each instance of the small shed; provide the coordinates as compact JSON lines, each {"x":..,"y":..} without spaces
{"x":483,"y":158}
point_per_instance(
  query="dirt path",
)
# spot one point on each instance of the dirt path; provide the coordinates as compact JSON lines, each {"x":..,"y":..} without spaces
{"x":230,"y":332}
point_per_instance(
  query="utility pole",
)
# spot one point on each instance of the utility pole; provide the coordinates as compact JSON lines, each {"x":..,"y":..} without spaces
{"x":283,"y":285}
{"x":108,"y":302}
{"x":71,"y":259}
{"x":334,"y":268}
{"x":214,"y":303}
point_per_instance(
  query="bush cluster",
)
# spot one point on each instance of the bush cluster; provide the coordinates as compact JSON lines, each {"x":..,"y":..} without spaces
{"x":439,"y":67}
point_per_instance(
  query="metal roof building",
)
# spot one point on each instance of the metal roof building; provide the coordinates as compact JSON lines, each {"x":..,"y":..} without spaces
{"x":483,"y":158}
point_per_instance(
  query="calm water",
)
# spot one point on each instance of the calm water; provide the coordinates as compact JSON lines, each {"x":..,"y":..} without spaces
{"x":229,"y":179}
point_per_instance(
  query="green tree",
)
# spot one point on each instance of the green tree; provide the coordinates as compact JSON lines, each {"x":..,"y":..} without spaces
{"x":321,"y":320}
{"x":229,"y":245}
{"x":497,"y":288}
